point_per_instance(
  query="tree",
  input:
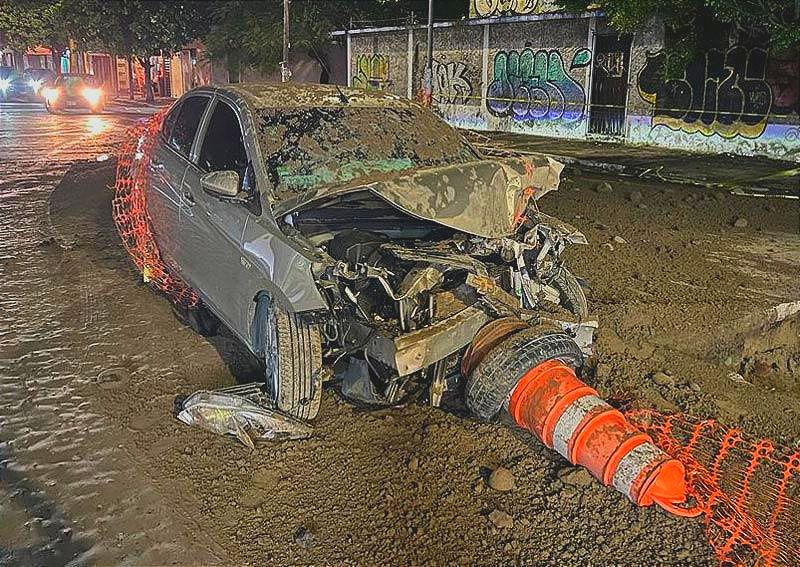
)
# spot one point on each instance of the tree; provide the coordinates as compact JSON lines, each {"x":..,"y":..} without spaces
{"x":31,"y":23}
{"x":250,"y":33}
{"x":693,"y":25}
{"x":142,"y":28}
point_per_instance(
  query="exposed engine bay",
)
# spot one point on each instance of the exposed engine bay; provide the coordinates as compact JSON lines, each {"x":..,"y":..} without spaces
{"x":407,"y":294}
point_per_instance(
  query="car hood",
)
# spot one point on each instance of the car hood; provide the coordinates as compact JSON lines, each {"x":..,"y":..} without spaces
{"x":484,"y":198}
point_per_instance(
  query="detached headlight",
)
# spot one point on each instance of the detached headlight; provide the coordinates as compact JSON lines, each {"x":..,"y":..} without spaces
{"x":92,"y":96}
{"x":50,"y":95}
{"x":35,"y":84}
{"x":4,"y":84}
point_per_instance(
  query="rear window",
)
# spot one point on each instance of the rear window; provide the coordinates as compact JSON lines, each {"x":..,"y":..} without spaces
{"x":307,"y":147}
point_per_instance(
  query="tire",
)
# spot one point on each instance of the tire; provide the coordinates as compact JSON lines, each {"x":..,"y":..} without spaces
{"x":570,"y":294}
{"x":493,"y":380}
{"x":293,"y":356}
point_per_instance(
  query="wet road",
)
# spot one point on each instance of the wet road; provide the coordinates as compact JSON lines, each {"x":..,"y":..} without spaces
{"x":70,"y":492}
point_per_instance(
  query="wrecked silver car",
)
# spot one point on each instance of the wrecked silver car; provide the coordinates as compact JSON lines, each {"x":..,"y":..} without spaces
{"x":346,"y":234}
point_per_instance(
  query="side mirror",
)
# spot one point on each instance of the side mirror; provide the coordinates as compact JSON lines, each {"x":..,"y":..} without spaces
{"x":221,"y":183}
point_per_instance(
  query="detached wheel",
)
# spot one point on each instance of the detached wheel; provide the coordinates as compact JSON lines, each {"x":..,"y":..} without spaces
{"x":293,"y":358}
{"x":491,"y":383}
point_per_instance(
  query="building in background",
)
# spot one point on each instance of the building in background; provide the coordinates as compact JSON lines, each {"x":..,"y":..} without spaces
{"x":523,"y":66}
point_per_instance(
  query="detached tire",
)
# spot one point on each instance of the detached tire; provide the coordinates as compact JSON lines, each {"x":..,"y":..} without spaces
{"x":492,"y":381}
{"x":293,"y":356}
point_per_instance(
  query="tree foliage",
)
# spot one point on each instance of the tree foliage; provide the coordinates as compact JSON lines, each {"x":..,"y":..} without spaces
{"x":30,"y":23}
{"x":695,"y":23}
{"x":251,"y":33}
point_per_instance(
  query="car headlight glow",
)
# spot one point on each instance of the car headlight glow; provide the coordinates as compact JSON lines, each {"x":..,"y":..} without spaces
{"x":4,"y":84}
{"x":50,"y":95}
{"x":35,"y":84}
{"x":92,"y":96}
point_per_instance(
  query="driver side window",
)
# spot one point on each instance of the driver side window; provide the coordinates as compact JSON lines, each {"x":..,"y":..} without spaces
{"x":223,"y":146}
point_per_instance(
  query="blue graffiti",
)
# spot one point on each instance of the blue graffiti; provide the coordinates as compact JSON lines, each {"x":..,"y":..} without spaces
{"x":534,"y":86}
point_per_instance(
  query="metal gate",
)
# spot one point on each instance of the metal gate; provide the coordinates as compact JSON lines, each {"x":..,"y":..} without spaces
{"x":612,"y":56}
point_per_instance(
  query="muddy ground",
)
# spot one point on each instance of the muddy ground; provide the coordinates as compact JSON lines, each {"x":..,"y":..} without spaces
{"x":97,"y":470}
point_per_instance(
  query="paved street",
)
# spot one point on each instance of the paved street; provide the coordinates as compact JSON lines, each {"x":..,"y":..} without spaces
{"x":94,"y":469}
{"x":69,"y":487}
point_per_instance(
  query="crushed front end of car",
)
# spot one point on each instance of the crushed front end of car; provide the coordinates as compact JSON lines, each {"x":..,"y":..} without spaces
{"x":414,"y":263}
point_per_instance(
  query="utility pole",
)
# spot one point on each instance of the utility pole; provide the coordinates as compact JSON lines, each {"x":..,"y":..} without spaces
{"x":286,"y":73}
{"x":427,"y":82}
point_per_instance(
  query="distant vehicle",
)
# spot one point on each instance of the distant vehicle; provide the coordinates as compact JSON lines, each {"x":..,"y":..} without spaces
{"x":74,"y":90}
{"x":8,"y":79}
{"x":324,"y":225}
{"x":32,"y":81}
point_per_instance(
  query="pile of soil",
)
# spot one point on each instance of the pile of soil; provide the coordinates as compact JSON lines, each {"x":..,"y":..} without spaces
{"x":677,"y":290}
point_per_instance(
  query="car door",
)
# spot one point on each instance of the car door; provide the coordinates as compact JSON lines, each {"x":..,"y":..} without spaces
{"x":168,"y":164}
{"x":213,"y":226}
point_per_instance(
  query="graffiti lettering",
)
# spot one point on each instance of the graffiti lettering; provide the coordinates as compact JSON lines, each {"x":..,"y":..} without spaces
{"x":450,"y":86}
{"x":372,"y":72}
{"x":534,"y":86}
{"x":494,"y":8}
{"x":720,"y":93}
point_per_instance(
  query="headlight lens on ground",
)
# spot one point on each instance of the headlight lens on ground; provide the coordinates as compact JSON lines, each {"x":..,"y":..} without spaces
{"x":92,"y":95}
{"x":50,"y":95}
{"x":4,"y":84}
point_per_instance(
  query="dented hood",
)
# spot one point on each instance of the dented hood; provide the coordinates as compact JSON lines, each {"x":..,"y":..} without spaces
{"x":484,"y":198}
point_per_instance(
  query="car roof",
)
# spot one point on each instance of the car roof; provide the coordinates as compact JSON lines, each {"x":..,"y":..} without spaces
{"x":301,"y":95}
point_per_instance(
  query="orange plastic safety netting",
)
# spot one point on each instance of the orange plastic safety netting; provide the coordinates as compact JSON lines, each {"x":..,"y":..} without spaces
{"x":129,"y":209}
{"x":748,"y":489}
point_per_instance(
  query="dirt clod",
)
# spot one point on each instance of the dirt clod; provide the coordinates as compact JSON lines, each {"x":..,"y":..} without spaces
{"x":663,"y":379}
{"x":575,"y":476}
{"x":635,"y":196}
{"x":304,"y":537}
{"x":413,"y":464}
{"x":501,"y":479}
{"x":501,"y":519}
{"x":740,"y":222}
{"x":604,"y":187}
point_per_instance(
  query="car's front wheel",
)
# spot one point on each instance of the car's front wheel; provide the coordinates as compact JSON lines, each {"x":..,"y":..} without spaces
{"x":293,"y":357}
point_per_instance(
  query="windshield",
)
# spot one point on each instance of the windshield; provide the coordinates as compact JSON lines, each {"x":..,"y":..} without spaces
{"x":308,"y":147}
{"x":76,"y":81}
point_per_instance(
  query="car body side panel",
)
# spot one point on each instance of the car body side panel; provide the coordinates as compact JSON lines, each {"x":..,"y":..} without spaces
{"x":212,"y":235}
{"x":164,"y":201}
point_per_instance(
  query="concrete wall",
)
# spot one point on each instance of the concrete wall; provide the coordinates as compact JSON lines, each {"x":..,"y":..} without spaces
{"x":533,"y":74}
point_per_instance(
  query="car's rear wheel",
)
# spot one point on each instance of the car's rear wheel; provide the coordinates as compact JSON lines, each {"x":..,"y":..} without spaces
{"x":293,"y":356}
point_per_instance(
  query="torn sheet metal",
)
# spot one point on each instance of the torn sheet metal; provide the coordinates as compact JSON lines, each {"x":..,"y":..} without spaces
{"x":582,"y":333}
{"x":241,"y":413}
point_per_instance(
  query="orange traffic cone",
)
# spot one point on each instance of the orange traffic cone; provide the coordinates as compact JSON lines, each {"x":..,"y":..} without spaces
{"x":568,"y":416}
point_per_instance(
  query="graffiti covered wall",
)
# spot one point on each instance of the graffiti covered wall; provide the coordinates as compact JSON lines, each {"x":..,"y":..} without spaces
{"x":733,"y":99}
{"x":533,"y":75}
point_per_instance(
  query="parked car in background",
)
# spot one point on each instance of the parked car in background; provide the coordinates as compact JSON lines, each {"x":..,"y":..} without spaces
{"x":74,"y":90}
{"x":8,"y":80}
{"x":32,"y":82}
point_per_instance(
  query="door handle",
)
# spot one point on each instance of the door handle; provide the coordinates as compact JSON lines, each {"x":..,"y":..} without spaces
{"x":189,"y":198}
